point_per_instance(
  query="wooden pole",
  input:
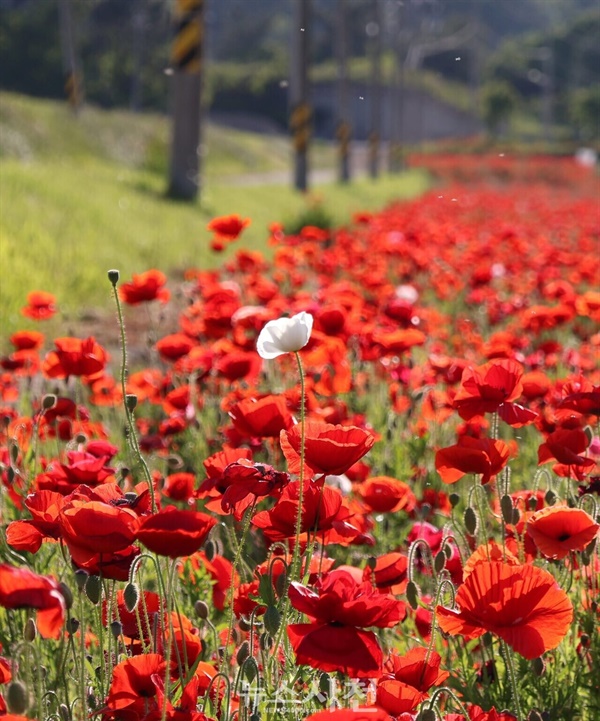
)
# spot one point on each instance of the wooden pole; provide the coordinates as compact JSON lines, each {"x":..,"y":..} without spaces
{"x":184,"y":173}
{"x":300,"y":110}
{"x":73,"y":80}
{"x":375,"y":29}
{"x":344,"y":126}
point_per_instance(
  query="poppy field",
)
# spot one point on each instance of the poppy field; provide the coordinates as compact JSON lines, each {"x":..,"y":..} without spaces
{"x":355,"y":480}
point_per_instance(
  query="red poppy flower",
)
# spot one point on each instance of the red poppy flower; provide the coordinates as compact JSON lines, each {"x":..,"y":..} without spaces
{"x":329,"y":449}
{"x":581,"y":396}
{"x":566,"y":446}
{"x":174,"y":346}
{"x":228,"y":227}
{"x":145,"y":287}
{"x":28,"y":535}
{"x":523,"y":605}
{"x":339,"y":607}
{"x":27,"y":340}
{"x":472,"y":455}
{"x":74,"y":357}
{"x":129,"y":619}
{"x":21,"y":588}
{"x":262,"y":418}
{"x":558,"y":530}
{"x":40,"y":305}
{"x":246,"y":481}
{"x":389,"y":572}
{"x":179,"y":486}
{"x":322,"y":510}
{"x":135,"y":684}
{"x":91,"y":527}
{"x":493,"y":387}
{"x":175,"y":533}
{"x":383,"y":494}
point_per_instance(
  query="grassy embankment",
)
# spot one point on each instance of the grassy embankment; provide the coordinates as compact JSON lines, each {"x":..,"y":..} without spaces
{"x":82,"y":195}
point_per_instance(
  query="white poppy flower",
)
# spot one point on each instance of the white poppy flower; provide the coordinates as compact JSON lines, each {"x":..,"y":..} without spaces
{"x":284,"y":335}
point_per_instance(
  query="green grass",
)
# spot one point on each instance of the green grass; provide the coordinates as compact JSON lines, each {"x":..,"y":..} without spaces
{"x":81,"y":196}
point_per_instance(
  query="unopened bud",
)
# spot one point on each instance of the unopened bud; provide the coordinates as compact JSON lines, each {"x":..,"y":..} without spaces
{"x":131,"y":401}
{"x":516,"y":516}
{"x":72,"y":626}
{"x":538,"y":666}
{"x":550,"y":498}
{"x":30,"y":630}
{"x":325,"y":685}
{"x":272,"y":620}
{"x":266,"y":641}
{"x":113,"y":276}
{"x":280,"y":583}
{"x":48,"y":401}
{"x":93,"y":589}
{"x":454,"y":499}
{"x":81,"y":578}
{"x":66,"y":594}
{"x":427,"y":714}
{"x":202,"y":610}
{"x":412,"y":595}
{"x":470,"y":519}
{"x":439,"y":561}
{"x":131,"y":597}
{"x":116,"y":628}
{"x":534,"y":715}
{"x":244,"y":625}
{"x":64,"y":712}
{"x":210,"y":549}
{"x":506,"y":505}
{"x":14,"y":452}
{"x":17,"y":698}
{"x":243,"y":653}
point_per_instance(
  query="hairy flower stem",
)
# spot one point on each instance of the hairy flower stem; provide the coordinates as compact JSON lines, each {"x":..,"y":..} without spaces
{"x":295,"y":571}
{"x":113,"y":276}
{"x":510,"y":669}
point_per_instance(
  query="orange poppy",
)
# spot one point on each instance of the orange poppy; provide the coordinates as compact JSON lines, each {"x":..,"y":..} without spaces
{"x":471,"y":455}
{"x":523,"y":605}
{"x":228,"y":227}
{"x":145,"y":287}
{"x":329,"y":449}
{"x":174,"y":533}
{"x":383,"y":494}
{"x":74,"y":357}
{"x":558,"y":530}
{"x":40,"y":305}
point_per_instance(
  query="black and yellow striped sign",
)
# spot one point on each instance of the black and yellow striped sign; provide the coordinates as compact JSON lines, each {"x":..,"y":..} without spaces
{"x":186,"y":55}
{"x":300,"y":125}
{"x":344,"y":134}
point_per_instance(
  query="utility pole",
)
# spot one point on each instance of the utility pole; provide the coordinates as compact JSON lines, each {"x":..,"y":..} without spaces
{"x":374,"y":32}
{"x":138,"y":23}
{"x":344,"y":126}
{"x":397,"y":125}
{"x":186,"y":60}
{"x":300,"y":109}
{"x":73,"y":81}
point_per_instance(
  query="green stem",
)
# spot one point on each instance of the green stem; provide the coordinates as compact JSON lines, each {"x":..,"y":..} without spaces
{"x":510,"y":667}
{"x":113,"y":276}
{"x":294,"y":575}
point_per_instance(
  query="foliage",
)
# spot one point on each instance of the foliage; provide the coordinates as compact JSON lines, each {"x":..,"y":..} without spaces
{"x":499,"y":102}
{"x":585,"y":110}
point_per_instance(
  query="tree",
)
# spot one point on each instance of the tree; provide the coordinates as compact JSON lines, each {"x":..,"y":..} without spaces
{"x":585,"y":112}
{"x":499,"y":101}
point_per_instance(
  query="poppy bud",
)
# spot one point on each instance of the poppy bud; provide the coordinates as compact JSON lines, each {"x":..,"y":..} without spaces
{"x":124,"y":471}
{"x":72,"y":625}
{"x":48,"y":401}
{"x":534,"y":715}
{"x":487,"y":639}
{"x":80,"y":438}
{"x":91,"y":699}
{"x":272,"y":620}
{"x":439,"y":561}
{"x":538,"y":666}
{"x":30,"y":630}
{"x":412,"y":595}
{"x":17,"y":698}
{"x":65,"y":712}
{"x":66,"y":594}
{"x":14,"y":452}
{"x":113,"y":276}
{"x":81,"y":578}
{"x":584,"y":640}
{"x":210,"y":549}
{"x":131,"y":401}
{"x":427,"y":714}
{"x":506,"y":505}
{"x":174,"y":461}
{"x":532,"y":503}
{"x":202,"y":610}
{"x":244,"y":625}
{"x":470,"y":519}
{"x":281,"y":583}
{"x":550,"y":498}
{"x":243,"y":653}
{"x":516,"y":515}
{"x":131,"y":596}
{"x":372,"y":563}
{"x":454,"y":499}
{"x":116,"y":628}
{"x":93,"y":589}
{"x":266,"y":641}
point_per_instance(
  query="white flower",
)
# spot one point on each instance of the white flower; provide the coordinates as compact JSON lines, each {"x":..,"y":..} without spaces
{"x":284,"y":335}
